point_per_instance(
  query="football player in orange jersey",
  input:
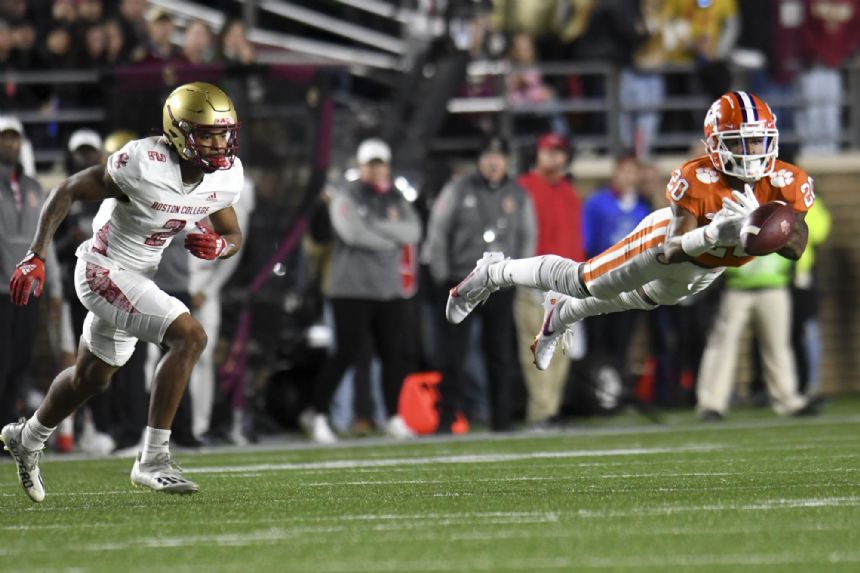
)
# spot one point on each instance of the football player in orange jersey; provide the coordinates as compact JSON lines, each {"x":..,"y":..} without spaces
{"x":674,"y":252}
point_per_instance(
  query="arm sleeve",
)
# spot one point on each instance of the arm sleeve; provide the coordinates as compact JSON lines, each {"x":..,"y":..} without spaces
{"x":529,"y":238}
{"x":800,"y":194}
{"x":124,"y":167}
{"x":406,"y":231}
{"x":438,"y":229}
{"x":352,"y":227}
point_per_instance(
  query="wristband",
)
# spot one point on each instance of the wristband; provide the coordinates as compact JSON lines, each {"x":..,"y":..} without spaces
{"x":696,"y":242}
{"x":35,"y":254}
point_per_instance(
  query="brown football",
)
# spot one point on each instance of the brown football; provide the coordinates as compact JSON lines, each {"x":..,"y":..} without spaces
{"x":767,"y":229}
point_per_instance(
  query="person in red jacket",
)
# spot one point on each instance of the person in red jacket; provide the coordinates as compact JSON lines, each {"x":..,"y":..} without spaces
{"x":558,"y":212}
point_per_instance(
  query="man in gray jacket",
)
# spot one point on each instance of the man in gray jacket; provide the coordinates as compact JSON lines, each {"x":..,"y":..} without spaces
{"x":370,"y":284}
{"x":21,"y":199}
{"x":486,"y":211}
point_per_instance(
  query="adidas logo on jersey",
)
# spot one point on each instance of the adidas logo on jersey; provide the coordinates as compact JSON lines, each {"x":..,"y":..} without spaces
{"x":212,"y":197}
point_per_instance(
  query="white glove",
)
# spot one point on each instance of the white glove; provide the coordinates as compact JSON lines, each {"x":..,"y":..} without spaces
{"x":744,"y":203}
{"x":725,"y":228}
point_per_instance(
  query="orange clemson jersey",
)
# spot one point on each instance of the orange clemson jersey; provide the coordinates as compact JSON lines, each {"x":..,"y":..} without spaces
{"x":699,"y":188}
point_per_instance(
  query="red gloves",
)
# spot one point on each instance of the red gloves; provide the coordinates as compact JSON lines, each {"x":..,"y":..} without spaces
{"x":30,"y":271}
{"x":207,"y":244}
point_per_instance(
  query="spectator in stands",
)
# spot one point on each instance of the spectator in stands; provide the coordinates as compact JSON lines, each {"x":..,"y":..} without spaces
{"x":525,"y":84}
{"x":115,"y":48}
{"x":701,"y":33}
{"x":198,"y":46}
{"x":58,"y":51}
{"x":805,"y":335}
{"x":375,"y":228}
{"x":609,"y":215}
{"x":90,"y":11}
{"x":206,"y":280}
{"x":21,"y":199}
{"x":132,"y":17}
{"x":233,"y":44}
{"x":558,"y":213}
{"x":757,"y":291}
{"x":487,"y":211}
{"x":7,"y":48}
{"x":14,"y":11}
{"x":63,"y":12}
{"x":93,"y":48}
{"x":641,"y":85}
{"x":24,"y":45}
{"x":830,"y":36}
{"x":159,"y":46}
{"x":174,"y":278}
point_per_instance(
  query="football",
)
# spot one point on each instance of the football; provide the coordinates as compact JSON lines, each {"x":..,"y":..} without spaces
{"x":767,"y":229}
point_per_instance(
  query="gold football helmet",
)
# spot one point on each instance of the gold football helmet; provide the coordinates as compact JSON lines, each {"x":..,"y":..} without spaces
{"x":192,"y":112}
{"x":116,"y":140}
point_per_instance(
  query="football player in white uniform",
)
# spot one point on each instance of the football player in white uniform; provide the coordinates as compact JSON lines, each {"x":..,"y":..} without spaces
{"x":151,"y":190}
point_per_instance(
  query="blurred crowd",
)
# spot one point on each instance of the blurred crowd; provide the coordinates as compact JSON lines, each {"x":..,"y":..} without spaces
{"x":384,"y":255}
{"x":791,"y":51}
{"x":98,"y":35}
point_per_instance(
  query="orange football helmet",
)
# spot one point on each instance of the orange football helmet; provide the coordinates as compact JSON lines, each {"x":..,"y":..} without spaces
{"x":741,"y":136}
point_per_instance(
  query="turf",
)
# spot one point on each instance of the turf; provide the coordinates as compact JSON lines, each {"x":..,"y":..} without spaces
{"x":756,"y":493}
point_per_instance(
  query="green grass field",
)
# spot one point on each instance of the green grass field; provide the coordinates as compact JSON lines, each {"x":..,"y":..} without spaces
{"x":757,"y":493}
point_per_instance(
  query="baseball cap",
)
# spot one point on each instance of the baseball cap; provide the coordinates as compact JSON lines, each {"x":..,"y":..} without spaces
{"x":85,"y":137}
{"x":495,"y":144}
{"x":552,"y":141}
{"x":371,"y":149}
{"x":11,"y":123}
{"x":156,"y":14}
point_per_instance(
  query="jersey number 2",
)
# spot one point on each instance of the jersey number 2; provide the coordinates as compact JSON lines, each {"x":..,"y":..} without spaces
{"x":173,"y":226}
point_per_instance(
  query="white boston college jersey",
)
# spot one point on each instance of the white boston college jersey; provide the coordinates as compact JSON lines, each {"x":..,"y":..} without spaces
{"x":133,"y":233}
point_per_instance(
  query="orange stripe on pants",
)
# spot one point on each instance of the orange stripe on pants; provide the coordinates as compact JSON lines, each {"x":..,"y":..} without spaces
{"x":593,"y":270}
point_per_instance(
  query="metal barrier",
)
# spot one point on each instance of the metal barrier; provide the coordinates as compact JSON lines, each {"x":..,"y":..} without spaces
{"x":610,"y":108}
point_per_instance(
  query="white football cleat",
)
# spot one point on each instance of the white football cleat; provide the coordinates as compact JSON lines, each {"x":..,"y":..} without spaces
{"x":472,"y":290}
{"x":316,"y":427}
{"x":396,"y":428}
{"x":161,"y":474}
{"x":546,"y":340}
{"x":27,"y":461}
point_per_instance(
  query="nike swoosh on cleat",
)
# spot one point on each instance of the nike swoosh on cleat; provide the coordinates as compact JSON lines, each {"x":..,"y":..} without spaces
{"x":545,"y":330}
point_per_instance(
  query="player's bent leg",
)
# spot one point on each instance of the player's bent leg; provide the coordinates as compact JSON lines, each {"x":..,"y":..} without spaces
{"x":185,"y":340}
{"x":560,"y":312}
{"x":154,"y":468}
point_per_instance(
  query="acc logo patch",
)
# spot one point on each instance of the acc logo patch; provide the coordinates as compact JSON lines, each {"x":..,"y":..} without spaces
{"x":121,"y":160}
{"x":707,"y":175}
{"x":782,"y":178}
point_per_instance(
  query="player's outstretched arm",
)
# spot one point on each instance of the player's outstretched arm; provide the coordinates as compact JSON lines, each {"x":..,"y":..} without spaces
{"x":91,"y":184}
{"x":797,"y":240}
{"x":682,"y":222}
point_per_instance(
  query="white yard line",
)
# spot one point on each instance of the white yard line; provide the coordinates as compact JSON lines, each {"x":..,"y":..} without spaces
{"x":767,"y":505}
{"x":444,"y":459}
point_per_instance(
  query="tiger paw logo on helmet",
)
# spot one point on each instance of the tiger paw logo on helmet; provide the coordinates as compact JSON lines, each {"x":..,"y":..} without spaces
{"x":707,"y":175}
{"x":782,"y":178}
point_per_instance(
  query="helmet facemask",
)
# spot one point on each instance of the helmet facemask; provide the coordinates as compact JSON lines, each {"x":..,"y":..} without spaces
{"x":199,"y":154}
{"x":734,"y":151}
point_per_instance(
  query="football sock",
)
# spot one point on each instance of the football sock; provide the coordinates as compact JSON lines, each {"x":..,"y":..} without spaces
{"x":155,"y":442}
{"x":35,"y":434}
{"x":547,"y":272}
